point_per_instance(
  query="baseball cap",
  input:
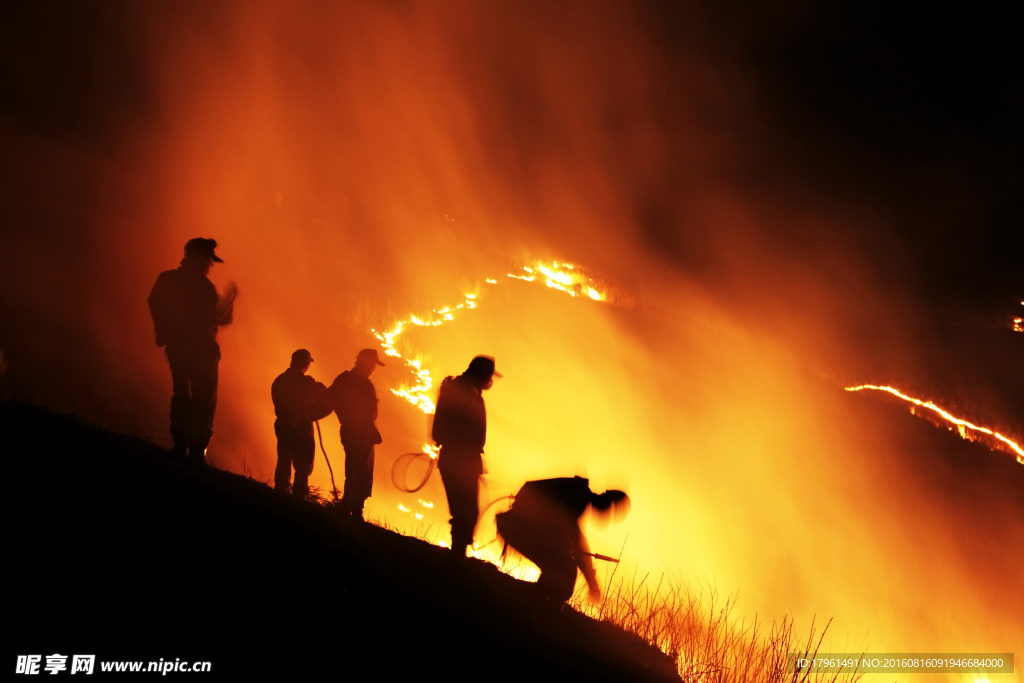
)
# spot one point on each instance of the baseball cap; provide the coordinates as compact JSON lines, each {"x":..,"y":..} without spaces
{"x":204,"y":247}
{"x":482,"y":366}
{"x":369,"y":354}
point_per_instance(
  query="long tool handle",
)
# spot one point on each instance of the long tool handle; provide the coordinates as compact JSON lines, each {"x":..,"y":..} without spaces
{"x":598,"y":556}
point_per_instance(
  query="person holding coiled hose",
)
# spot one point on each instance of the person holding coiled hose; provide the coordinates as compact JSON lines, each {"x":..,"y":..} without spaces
{"x":460,"y":429}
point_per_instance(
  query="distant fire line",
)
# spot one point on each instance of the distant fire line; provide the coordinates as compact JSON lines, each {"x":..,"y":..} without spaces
{"x":962,"y":425}
{"x":561,"y":276}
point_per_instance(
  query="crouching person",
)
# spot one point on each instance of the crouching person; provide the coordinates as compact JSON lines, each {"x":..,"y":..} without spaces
{"x":543,"y":526}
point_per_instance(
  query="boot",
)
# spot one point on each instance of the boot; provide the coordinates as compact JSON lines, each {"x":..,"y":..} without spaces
{"x":196,"y":461}
{"x":457,"y":557}
{"x":354,"y":508}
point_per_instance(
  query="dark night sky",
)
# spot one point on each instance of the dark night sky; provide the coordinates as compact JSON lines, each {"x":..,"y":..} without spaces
{"x":919,"y":105}
{"x":916,"y":106}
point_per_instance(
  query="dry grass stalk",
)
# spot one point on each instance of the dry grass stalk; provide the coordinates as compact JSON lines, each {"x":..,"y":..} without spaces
{"x":697,"y":629}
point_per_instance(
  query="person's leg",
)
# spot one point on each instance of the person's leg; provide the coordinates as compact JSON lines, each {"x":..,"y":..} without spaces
{"x":303,"y":450}
{"x":181,"y":398}
{"x":547,"y":548}
{"x":557,"y":578}
{"x":460,"y":487}
{"x":204,"y":400}
{"x":359,"y":460}
{"x":283,"y":471}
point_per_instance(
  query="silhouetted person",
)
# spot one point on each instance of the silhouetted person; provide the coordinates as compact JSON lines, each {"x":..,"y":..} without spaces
{"x":543,"y":526}
{"x":187,"y":312}
{"x":354,"y":400}
{"x":294,"y":394}
{"x":460,"y":429}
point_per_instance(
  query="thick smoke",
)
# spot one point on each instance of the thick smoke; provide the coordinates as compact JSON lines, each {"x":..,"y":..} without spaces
{"x":358,"y":163}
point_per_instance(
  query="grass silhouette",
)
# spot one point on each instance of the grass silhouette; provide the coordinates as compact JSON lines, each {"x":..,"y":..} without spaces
{"x":697,"y":628}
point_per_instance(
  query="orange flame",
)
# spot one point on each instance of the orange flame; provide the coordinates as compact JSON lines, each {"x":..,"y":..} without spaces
{"x":961,"y":425}
{"x":561,"y":276}
{"x":419,"y":393}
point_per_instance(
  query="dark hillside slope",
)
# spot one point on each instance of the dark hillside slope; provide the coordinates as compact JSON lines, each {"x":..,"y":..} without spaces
{"x":114,"y":550}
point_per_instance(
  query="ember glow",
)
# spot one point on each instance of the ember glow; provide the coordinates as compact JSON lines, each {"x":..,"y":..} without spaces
{"x":412,"y":513}
{"x":962,"y":426}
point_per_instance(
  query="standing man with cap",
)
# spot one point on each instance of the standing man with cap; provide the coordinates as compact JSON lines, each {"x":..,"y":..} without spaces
{"x":187,"y":310}
{"x":460,"y":429}
{"x":354,"y":400}
{"x":294,"y":393}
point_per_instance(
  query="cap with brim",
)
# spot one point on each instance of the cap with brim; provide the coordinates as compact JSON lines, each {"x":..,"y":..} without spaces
{"x":302,"y":355}
{"x":482,"y":366}
{"x":204,"y":247}
{"x":371,"y":355}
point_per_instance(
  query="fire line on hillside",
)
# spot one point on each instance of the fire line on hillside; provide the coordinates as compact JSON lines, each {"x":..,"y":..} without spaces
{"x":962,"y":426}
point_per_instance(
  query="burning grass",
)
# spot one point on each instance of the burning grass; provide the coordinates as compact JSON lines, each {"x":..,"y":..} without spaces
{"x":698,"y":630}
{"x":941,"y":417}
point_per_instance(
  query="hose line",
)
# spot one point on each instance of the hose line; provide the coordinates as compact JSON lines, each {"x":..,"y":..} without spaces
{"x":324,"y":451}
{"x":408,"y":459}
{"x":483,"y":512}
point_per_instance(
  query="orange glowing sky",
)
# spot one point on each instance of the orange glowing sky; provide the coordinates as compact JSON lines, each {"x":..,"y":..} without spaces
{"x":362,"y":164}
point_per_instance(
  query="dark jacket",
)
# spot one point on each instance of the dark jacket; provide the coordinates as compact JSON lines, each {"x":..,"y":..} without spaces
{"x":543,"y":522}
{"x":294,"y":394}
{"x":460,"y":420}
{"x":354,"y":400}
{"x":553,"y":502}
{"x":184,"y":305}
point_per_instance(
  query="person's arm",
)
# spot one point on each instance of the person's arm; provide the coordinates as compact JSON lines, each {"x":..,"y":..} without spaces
{"x":581,"y":553}
{"x":275,"y":395}
{"x":313,"y":408}
{"x":226,"y":304}
{"x":324,"y":403}
{"x":482,"y":425}
{"x":157,"y":309}
{"x":376,"y":405}
{"x":439,"y":428}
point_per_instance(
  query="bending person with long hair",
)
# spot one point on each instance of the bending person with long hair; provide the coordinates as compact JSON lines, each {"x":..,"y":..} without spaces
{"x":543,"y":526}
